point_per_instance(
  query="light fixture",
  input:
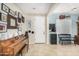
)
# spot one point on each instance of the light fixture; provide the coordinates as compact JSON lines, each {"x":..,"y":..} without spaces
{"x":33,"y":8}
{"x":74,"y":9}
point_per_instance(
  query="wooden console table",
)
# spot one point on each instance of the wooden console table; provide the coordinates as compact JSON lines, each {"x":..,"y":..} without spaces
{"x":14,"y":46}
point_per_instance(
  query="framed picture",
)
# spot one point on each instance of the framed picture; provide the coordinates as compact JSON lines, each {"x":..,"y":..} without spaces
{"x":4,"y":8}
{"x":19,"y":15}
{"x":19,"y":20}
{"x":16,"y":13}
{"x":11,"y":22}
{"x":3,"y":27}
{"x":11,"y":12}
{"x":23,"y":19}
{"x":3,"y":17}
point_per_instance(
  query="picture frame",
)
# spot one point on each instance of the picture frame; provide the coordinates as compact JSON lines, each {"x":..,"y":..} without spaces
{"x":19,"y":15}
{"x":23,"y":19}
{"x":11,"y":22}
{"x":4,"y":8}
{"x":11,"y":12}
{"x":16,"y":14}
{"x":19,"y":20}
{"x":3,"y":17}
{"x":3,"y":27}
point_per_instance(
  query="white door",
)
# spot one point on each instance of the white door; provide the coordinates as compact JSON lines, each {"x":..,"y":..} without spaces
{"x":39,"y":24}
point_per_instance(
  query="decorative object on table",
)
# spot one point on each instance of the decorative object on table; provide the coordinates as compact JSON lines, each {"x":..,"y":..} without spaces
{"x":26,"y":34}
{"x":23,"y":19}
{"x":3,"y":17}
{"x":4,"y":8}
{"x":3,"y":27}
{"x":62,"y":17}
{"x":11,"y":22}
{"x":11,"y":12}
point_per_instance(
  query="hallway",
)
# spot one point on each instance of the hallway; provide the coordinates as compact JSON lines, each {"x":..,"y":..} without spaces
{"x":53,"y":50}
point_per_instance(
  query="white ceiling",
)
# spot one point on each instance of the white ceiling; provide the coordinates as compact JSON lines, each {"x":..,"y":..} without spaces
{"x":67,"y":8}
{"x":34,"y":8}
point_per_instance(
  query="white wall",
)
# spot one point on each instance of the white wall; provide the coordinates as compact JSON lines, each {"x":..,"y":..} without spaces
{"x":32,"y":18}
{"x":63,"y":26}
{"x":13,"y":32}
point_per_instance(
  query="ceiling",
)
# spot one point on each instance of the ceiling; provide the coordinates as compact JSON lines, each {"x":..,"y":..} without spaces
{"x":67,"y":8}
{"x":34,"y":8}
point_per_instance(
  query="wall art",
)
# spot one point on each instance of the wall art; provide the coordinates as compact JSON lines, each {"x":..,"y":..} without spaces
{"x":3,"y":27}
{"x":11,"y":22}
{"x":3,"y":17}
{"x":4,"y":8}
{"x":11,"y":12}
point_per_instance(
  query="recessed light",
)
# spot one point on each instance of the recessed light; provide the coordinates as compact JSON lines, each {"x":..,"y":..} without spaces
{"x":74,"y":9}
{"x":33,"y":8}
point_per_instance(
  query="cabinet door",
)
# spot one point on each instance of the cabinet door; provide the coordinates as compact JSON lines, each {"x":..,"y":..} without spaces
{"x":53,"y":38}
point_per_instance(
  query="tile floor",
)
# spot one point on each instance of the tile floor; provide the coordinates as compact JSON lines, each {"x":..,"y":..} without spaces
{"x":53,"y":50}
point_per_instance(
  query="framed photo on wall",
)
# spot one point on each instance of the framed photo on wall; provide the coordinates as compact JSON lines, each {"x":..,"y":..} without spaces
{"x":19,"y":20}
{"x":3,"y":27}
{"x":19,"y":15}
{"x":16,"y":14}
{"x":4,"y":8}
{"x":11,"y":22}
{"x":11,"y":12}
{"x":23,"y":19}
{"x":3,"y":17}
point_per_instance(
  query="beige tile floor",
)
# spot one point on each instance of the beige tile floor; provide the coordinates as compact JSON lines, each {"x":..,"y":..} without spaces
{"x":53,"y":50}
